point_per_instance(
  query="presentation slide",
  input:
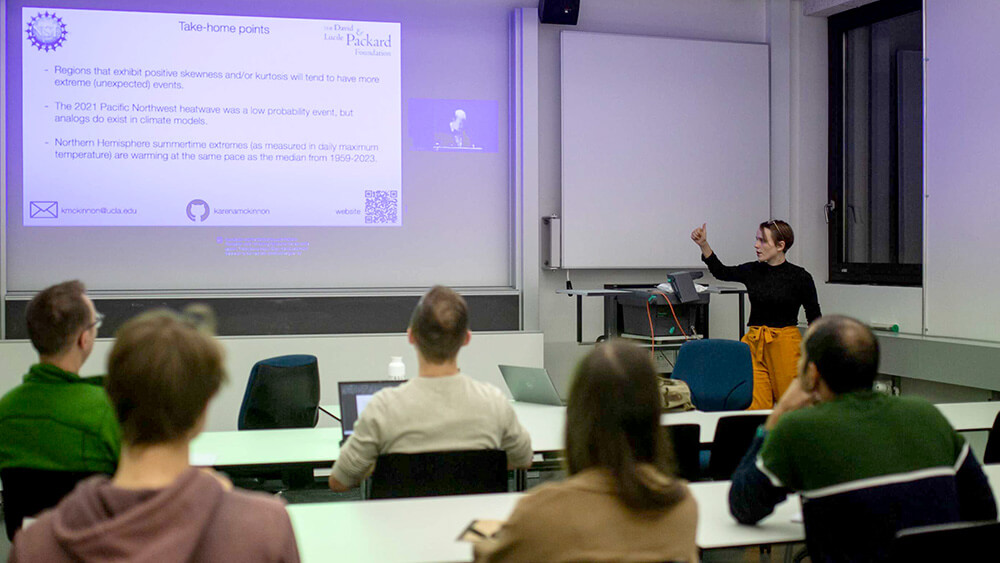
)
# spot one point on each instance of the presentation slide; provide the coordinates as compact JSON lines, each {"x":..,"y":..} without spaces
{"x":161,"y":119}
{"x":209,"y":145}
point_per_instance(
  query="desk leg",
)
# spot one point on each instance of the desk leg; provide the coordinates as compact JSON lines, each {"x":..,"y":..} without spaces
{"x":520,"y":480}
{"x":579,"y":319}
{"x":742,"y":327}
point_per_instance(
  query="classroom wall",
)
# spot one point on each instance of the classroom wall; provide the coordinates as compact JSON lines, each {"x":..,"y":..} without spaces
{"x":720,"y":20}
{"x":341,"y":358}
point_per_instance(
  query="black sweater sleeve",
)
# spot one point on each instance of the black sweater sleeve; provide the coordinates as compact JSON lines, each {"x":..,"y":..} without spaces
{"x":810,"y":301}
{"x":723,"y":272}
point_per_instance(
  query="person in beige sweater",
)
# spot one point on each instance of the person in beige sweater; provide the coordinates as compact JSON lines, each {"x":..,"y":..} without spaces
{"x":620,"y":502}
{"x":162,"y":372}
{"x":441,"y":409}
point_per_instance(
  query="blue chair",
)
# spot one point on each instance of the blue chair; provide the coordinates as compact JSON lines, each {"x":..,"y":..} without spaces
{"x":719,"y":373}
{"x":282,"y":392}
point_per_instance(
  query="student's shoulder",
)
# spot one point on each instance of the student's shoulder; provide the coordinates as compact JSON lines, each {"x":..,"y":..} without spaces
{"x":250,"y":507}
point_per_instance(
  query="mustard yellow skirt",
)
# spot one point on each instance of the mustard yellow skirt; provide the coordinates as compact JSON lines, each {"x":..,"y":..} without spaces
{"x":775,"y":353}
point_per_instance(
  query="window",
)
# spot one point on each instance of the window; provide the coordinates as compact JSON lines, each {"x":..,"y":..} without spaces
{"x":875,"y":208}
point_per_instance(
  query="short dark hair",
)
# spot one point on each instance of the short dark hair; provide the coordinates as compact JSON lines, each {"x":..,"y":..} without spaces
{"x":845,"y":353}
{"x":613,"y":422}
{"x":439,"y":324}
{"x":780,"y":232}
{"x":162,"y":371}
{"x":56,"y":315}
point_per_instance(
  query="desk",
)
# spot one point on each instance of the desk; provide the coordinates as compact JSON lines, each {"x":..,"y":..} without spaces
{"x":546,"y":424}
{"x":967,"y":417}
{"x":426,"y":529}
{"x":318,"y":447}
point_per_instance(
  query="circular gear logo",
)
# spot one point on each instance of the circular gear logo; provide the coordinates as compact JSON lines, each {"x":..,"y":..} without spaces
{"x":46,"y":31}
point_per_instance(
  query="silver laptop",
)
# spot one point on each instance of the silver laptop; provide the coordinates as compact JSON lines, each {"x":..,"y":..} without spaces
{"x":531,"y":385}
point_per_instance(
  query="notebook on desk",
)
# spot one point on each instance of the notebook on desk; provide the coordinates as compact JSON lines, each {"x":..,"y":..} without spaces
{"x":354,"y":397}
{"x":531,"y":385}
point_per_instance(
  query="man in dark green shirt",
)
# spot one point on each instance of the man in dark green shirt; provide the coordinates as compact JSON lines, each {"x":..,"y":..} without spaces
{"x":865,"y":465}
{"x":57,"y":420}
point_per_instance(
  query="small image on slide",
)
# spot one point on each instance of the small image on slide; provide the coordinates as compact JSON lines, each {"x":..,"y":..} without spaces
{"x":453,"y":125}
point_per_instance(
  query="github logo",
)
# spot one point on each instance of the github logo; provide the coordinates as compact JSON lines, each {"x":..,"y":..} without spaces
{"x":46,"y":31}
{"x":198,"y":208}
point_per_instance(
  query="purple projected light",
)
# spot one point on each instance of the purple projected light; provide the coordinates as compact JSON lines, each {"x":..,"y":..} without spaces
{"x":453,"y":125}
{"x":46,"y":31}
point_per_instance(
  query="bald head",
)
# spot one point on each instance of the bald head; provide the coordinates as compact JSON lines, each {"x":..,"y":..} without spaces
{"x":844,"y":351}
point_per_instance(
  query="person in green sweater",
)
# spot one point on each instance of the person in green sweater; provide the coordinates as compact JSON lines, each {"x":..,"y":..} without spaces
{"x":57,"y":420}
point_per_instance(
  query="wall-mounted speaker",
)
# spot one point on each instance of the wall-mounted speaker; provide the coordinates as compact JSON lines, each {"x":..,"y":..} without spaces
{"x":563,"y":12}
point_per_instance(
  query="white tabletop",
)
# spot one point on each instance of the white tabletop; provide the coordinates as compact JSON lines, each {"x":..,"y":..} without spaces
{"x":263,"y":447}
{"x":427,"y":529}
{"x":970,"y":416}
{"x":545,"y":423}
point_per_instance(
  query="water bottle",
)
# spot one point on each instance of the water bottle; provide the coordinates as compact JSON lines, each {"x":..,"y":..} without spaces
{"x":397,"y":369}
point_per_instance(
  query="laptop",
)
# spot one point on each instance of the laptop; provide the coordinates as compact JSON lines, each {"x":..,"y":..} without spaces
{"x":531,"y":385}
{"x":354,"y":397}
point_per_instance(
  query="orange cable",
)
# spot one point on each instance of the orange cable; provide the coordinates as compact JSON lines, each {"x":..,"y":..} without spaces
{"x":672,"y":312}
{"x":652,"y":339}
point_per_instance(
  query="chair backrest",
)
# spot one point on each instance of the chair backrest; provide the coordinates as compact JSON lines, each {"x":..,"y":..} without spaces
{"x":992,"y":453}
{"x":686,"y":439}
{"x":439,"y":473}
{"x":733,"y":436}
{"x":961,"y":541}
{"x":282,"y":392}
{"x":719,"y":373}
{"x":26,"y":492}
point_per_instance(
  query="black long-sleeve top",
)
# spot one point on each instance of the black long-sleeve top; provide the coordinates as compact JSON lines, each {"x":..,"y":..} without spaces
{"x":775,"y":292}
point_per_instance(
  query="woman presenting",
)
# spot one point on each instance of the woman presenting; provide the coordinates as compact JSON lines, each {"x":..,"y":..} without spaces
{"x":777,"y":288}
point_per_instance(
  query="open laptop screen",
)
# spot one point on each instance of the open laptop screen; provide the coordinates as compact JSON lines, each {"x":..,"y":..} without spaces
{"x":354,"y":397}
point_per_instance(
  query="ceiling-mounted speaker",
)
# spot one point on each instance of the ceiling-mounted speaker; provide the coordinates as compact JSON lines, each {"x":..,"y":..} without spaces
{"x":562,"y":12}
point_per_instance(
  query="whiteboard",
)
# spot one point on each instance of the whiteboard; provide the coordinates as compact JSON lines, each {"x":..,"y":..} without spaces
{"x":658,"y":136}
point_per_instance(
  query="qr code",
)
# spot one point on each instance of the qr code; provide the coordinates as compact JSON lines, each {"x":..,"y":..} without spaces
{"x":381,"y":206}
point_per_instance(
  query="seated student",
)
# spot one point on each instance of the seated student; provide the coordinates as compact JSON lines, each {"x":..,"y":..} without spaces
{"x":441,"y":409}
{"x":162,"y":372}
{"x":865,"y":464}
{"x":621,"y":501}
{"x":56,"y":420}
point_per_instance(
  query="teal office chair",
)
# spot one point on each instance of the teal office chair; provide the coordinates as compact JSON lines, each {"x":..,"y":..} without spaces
{"x":719,"y":373}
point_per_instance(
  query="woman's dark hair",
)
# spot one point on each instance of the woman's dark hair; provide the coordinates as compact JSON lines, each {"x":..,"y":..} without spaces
{"x":780,"y":232}
{"x":613,"y":422}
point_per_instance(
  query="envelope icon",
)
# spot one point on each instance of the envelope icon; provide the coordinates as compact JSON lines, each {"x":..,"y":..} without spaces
{"x":44,"y":210}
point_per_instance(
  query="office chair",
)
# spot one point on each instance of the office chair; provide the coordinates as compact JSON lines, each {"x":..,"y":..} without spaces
{"x":686,"y":440}
{"x":992,"y":453}
{"x":282,"y":392}
{"x":733,"y":436}
{"x":27,"y":491}
{"x":438,"y":473}
{"x":960,"y":541}
{"x":719,"y":373}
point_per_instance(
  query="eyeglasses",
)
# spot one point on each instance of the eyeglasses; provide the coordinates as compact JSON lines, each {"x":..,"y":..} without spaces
{"x":98,"y":320}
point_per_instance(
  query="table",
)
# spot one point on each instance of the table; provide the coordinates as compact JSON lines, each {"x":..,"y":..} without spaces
{"x":318,"y":447}
{"x":967,"y":417}
{"x":546,"y":424}
{"x":427,"y":529}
